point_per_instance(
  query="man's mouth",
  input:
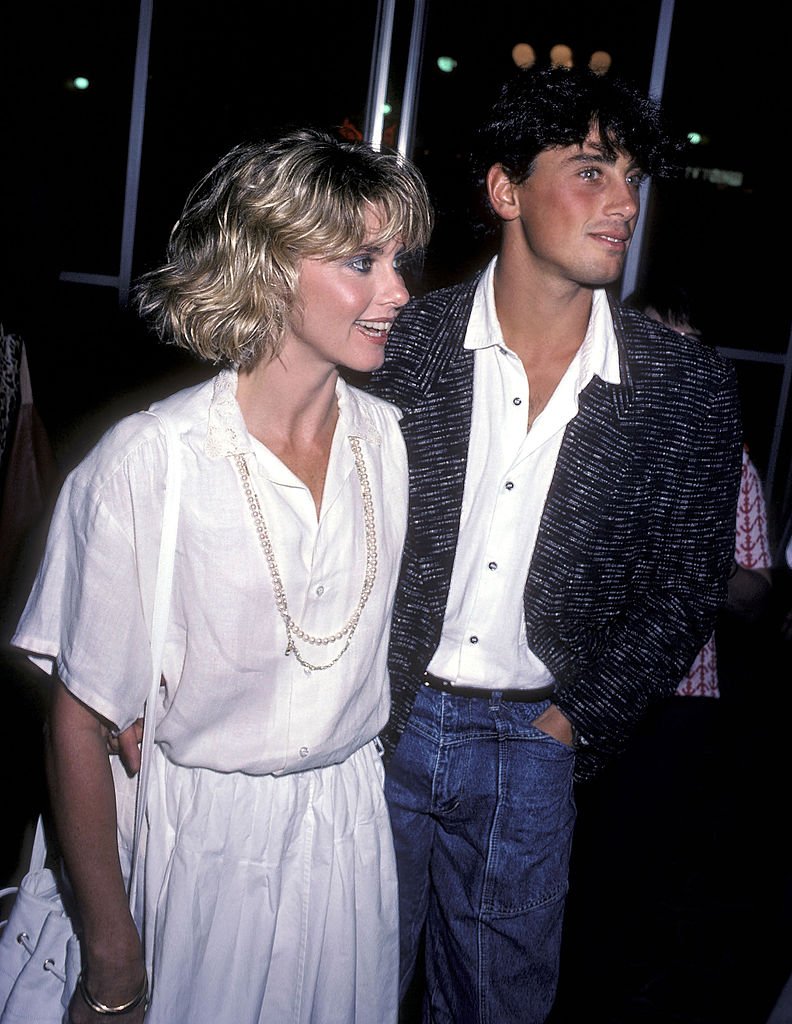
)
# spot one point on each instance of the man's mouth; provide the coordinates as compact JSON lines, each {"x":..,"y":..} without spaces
{"x":613,"y":239}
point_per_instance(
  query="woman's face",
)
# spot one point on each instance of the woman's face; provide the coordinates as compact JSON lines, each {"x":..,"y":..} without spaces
{"x":345,"y":308}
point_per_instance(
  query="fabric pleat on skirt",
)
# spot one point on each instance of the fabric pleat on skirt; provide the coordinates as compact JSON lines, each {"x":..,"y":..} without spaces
{"x":268,"y":899}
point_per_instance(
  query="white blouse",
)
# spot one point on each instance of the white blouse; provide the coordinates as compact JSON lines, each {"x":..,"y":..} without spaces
{"x":232,"y":700}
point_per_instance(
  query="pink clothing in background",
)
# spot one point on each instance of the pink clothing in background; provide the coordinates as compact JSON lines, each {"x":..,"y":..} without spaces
{"x":751,"y":551}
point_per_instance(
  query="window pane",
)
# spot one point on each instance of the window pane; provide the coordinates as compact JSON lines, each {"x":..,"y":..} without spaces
{"x":225,"y":73}
{"x":718,"y":227}
{"x":715,"y":226}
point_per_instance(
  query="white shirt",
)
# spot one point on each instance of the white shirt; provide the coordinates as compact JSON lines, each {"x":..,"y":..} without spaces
{"x":508,"y":475}
{"x":234,"y":701}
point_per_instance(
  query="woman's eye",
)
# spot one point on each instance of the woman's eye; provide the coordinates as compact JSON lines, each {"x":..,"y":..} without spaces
{"x":361,"y":263}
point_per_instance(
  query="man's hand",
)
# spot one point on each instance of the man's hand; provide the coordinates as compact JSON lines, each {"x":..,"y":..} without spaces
{"x":127,"y":745}
{"x":556,"y":724}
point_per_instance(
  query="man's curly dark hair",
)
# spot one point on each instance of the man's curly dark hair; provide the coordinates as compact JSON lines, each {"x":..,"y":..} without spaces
{"x":543,"y":108}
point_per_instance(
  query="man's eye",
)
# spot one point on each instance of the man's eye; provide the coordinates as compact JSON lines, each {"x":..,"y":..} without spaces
{"x":590,"y":173}
{"x":406,"y":262}
{"x":637,"y":179}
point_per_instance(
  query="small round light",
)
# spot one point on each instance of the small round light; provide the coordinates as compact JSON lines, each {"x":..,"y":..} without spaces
{"x":524,"y":55}
{"x":600,"y":62}
{"x":694,"y":138}
{"x":446,"y":63}
{"x":80,"y":82}
{"x":561,"y":56}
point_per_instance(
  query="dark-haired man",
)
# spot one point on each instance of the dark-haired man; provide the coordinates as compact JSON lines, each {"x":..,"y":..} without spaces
{"x":573,"y":486}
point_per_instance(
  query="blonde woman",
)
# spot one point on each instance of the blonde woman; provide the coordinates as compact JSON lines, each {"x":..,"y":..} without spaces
{"x":270,"y":885}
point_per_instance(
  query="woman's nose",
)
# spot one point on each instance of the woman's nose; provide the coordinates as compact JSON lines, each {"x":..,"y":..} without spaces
{"x":395,"y":289}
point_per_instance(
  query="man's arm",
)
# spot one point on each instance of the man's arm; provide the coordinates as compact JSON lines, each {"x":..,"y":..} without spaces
{"x":680,"y":579}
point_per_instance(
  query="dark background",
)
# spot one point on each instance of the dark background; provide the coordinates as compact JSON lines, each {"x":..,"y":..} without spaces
{"x":680,"y":908}
{"x":219,"y":73}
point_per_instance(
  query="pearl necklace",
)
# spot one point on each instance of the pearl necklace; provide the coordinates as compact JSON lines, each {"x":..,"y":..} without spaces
{"x":292,"y":629}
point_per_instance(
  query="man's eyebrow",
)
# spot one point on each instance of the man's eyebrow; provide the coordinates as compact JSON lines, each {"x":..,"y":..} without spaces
{"x":592,"y":153}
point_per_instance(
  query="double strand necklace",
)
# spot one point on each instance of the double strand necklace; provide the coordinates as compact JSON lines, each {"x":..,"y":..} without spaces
{"x":293,"y":631}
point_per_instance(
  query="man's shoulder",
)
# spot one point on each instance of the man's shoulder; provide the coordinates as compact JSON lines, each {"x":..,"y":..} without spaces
{"x":440,"y":305}
{"x":425,"y":341}
{"x":448,"y":294}
{"x":653,"y":348}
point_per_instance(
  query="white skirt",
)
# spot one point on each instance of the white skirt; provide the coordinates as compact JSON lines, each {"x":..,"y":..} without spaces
{"x":268,"y":900}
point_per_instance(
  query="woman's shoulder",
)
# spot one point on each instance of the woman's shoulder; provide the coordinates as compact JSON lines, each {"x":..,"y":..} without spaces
{"x":374,"y":419}
{"x":135,"y":444}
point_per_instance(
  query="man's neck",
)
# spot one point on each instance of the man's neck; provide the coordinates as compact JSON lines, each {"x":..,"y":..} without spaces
{"x":540,"y":318}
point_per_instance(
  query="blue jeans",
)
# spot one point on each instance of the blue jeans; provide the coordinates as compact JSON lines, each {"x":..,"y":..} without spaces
{"x":482,"y":809}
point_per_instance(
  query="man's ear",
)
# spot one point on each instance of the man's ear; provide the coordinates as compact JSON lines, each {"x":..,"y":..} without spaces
{"x":501,"y":192}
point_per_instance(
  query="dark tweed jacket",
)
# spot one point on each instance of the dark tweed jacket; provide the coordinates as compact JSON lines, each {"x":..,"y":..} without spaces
{"x":636,"y":537}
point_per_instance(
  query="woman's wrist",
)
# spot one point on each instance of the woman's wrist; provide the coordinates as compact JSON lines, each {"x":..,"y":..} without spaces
{"x":112,"y":1009}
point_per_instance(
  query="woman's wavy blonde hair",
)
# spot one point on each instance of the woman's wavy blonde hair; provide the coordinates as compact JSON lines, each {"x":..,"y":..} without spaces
{"x":228,"y":286}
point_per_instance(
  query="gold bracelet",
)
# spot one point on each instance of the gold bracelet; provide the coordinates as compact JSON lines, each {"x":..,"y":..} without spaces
{"x":112,"y":1011}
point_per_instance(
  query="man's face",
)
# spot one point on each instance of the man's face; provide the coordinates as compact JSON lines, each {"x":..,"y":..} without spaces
{"x":578,"y":210}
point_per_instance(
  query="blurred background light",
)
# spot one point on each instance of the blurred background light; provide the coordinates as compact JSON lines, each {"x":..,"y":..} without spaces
{"x":600,"y":62}
{"x":524,"y":55}
{"x":561,"y":55}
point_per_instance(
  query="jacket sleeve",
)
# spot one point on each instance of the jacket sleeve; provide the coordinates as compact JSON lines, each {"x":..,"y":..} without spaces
{"x":676,"y":580}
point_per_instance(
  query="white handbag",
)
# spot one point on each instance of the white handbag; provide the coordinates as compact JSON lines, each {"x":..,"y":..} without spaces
{"x":39,"y":950}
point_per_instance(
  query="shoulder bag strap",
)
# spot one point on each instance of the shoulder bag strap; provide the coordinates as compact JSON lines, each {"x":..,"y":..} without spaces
{"x":162,"y":594}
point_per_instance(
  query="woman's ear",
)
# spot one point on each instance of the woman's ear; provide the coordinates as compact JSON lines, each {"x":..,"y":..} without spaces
{"x":501,"y":192}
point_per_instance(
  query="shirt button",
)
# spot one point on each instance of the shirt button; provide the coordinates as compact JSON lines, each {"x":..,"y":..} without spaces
{"x":304,"y":751}
{"x":319,"y":590}
{"x":474,"y":639}
{"x":517,"y":401}
{"x":509,"y":485}
{"x":492,"y":565}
